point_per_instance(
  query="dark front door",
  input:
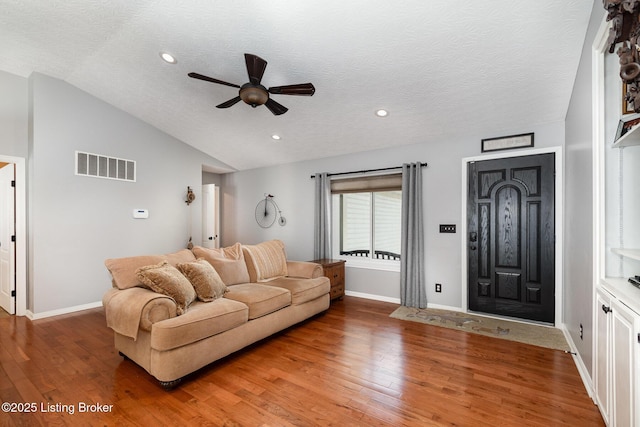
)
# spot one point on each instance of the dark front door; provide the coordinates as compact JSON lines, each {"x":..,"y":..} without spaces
{"x":511,"y":237}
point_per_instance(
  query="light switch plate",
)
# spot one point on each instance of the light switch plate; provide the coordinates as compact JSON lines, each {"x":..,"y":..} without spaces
{"x":447,"y":228}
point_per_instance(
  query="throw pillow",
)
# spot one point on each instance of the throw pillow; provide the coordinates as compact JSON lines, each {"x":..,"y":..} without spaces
{"x":266,"y":260}
{"x":167,"y":280}
{"x":123,"y":270}
{"x":204,"y":278}
{"x":228,"y":262}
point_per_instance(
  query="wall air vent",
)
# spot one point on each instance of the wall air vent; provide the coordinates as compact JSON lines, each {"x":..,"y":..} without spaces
{"x":99,"y":166}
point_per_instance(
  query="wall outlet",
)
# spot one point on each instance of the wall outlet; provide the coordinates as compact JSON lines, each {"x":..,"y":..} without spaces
{"x":438,"y":287}
{"x":447,"y":228}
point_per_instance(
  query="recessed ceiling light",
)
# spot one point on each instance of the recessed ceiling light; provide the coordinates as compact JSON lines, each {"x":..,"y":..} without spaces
{"x":382,"y":113}
{"x":276,"y":137}
{"x":168,"y":58}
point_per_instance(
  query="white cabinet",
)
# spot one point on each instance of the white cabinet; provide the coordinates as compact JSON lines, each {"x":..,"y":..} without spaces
{"x":617,"y":366}
{"x":602,"y":371}
{"x":616,"y":203}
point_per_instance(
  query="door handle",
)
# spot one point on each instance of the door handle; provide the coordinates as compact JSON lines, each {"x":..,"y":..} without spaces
{"x":472,"y":247}
{"x":606,"y":309}
{"x":473,"y":236}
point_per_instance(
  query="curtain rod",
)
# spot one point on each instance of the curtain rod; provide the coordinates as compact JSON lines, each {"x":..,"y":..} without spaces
{"x":424,"y":165}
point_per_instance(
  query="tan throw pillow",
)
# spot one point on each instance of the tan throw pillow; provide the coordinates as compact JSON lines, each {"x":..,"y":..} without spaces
{"x":266,"y":260}
{"x":123,"y":270}
{"x":204,"y":278}
{"x":167,"y":280}
{"x":228,"y":262}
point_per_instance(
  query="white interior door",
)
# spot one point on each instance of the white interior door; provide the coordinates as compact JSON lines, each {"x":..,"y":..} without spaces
{"x":210,"y":216}
{"x":7,"y":246}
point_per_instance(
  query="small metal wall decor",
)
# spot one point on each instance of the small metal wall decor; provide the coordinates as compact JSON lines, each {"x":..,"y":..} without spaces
{"x":267,"y":211}
{"x":191,"y":196}
{"x":625,"y":30}
{"x":507,"y":142}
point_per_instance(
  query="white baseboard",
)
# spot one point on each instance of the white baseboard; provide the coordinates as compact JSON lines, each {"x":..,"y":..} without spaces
{"x":35,"y":316}
{"x":577,"y":359}
{"x":444,"y":307}
{"x":372,"y":297}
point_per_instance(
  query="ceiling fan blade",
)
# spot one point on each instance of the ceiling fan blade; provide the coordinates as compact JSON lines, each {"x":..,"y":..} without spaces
{"x":211,"y":79}
{"x":299,"y":89}
{"x":255,"y":68}
{"x":275,"y":108}
{"x":229,"y":103}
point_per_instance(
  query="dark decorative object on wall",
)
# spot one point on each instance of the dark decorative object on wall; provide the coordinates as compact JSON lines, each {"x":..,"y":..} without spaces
{"x":625,"y":30}
{"x":267,"y":211}
{"x":190,"y":196}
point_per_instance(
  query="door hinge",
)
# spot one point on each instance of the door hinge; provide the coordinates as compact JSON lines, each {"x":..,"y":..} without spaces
{"x":13,"y":238}
{"x":13,"y":183}
{"x":638,"y":338}
{"x":13,"y":293}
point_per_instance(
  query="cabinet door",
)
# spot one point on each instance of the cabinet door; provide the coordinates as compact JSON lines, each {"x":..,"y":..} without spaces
{"x":624,"y":343}
{"x":601,"y":376}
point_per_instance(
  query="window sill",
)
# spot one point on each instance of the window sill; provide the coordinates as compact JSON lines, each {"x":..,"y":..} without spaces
{"x":371,"y":264}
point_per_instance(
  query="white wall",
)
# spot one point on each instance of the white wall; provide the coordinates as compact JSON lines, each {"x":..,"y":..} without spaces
{"x":293,"y":190}
{"x":13,"y":115}
{"x":76,"y":222}
{"x":579,"y":200}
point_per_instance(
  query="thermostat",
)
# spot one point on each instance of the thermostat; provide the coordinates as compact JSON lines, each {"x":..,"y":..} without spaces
{"x":141,"y":213}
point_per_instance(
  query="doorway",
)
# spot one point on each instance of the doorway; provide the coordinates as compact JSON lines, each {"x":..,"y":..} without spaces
{"x":512,"y":235}
{"x":17,"y":278}
{"x":7,"y":238}
{"x":210,"y":216}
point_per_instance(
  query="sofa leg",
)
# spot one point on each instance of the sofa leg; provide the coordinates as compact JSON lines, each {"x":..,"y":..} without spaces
{"x":170,"y":385}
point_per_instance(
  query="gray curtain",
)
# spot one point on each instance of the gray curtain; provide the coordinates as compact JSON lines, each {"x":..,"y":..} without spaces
{"x":412,"y":285}
{"x":322,"y":220}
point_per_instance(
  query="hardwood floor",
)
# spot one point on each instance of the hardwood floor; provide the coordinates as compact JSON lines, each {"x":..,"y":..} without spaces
{"x":352,"y":366}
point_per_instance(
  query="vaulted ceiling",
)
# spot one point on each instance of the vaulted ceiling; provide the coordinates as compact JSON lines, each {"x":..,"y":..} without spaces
{"x":441,"y":68}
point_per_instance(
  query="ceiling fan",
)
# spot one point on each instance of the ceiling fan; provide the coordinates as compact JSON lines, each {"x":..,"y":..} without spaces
{"x":253,"y":93}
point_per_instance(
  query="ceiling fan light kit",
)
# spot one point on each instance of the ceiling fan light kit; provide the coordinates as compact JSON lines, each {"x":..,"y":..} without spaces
{"x":253,"y":93}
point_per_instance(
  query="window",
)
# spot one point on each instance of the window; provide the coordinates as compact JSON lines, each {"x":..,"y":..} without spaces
{"x":367,"y":218}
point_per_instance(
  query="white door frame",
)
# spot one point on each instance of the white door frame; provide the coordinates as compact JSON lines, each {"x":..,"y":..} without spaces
{"x":559,"y":220}
{"x":21,"y":233}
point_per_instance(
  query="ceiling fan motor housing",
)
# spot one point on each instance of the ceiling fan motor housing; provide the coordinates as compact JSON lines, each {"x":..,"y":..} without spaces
{"x":254,"y":95}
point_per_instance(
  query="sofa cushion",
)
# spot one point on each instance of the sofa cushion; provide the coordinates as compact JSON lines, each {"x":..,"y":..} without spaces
{"x":175,"y":258}
{"x":202,"y":320}
{"x":204,"y":278}
{"x":164,"y":278}
{"x":265,"y":260}
{"x":123,"y":270}
{"x":261,"y":299}
{"x":228,"y":262}
{"x":302,"y":290}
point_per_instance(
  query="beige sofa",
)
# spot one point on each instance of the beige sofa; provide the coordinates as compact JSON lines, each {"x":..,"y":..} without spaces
{"x":196,"y":314}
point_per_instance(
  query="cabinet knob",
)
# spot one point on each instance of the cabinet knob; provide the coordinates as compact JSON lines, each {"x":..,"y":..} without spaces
{"x":606,"y":309}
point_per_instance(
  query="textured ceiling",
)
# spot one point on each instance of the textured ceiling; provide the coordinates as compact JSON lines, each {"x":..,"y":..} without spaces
{"x":493,"y":65}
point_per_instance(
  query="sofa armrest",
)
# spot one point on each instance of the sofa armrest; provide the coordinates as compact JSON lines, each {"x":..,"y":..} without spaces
{"x":128,"y":310}
{"x":304,"y":269}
